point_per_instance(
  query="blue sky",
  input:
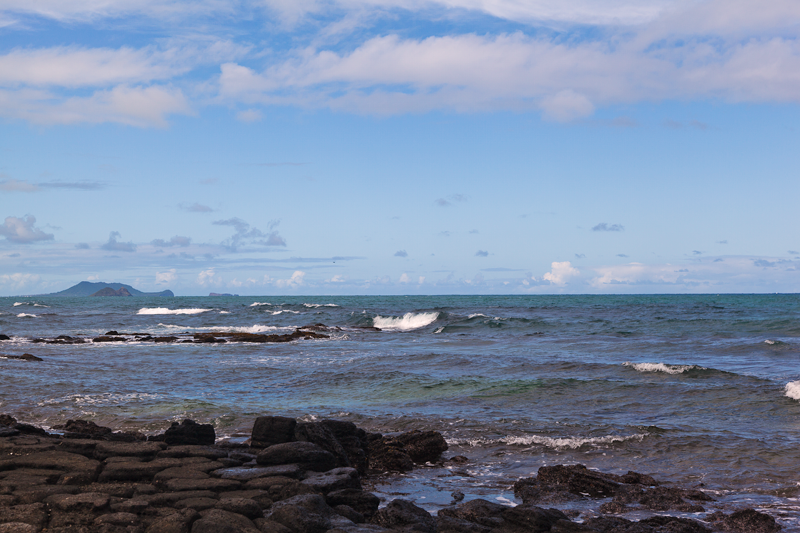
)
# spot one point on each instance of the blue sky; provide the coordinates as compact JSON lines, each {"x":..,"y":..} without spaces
{"x":400,"y":146}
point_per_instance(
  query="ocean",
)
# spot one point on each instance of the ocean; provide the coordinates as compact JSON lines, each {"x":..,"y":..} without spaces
{"x":697,"y":390}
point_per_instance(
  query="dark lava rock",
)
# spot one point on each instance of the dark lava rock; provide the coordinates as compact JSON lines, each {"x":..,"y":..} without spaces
{"x":307,"y":455}
{"x":362,"y":502}
{"x":307,"y":513}
{"x":24,"y":357}
{"x":271,"y":430}
{"x":83,"y":429}
{"x":4,"y":337}
{"x":744,"y":521}
{"x":404,"y":514}
{"x":188,"y":432}
{"x":655,"y":524}
{"x":655,"y":499}
{"x":322,"y":436}
{"x":28,"y":428}
{"x":106,"y":338}
{"x":478,"y":511}
{"x":335,"y":479}
{"x":533,"y":519}
{"x":578,"y":480}
{"x":7,"y":420}
{"x":388,"y":455}
{"x":354,"y":441}
{"x":423,"y":446}
{"x":220,"y":521}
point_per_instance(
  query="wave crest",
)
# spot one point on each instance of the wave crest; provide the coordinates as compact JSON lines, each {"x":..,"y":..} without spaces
{"x":165,"y":311}
{"x":26,"y":315}
{"x":406,"y":322}
{"x":793,"y":390}
{"x":661,"y":367}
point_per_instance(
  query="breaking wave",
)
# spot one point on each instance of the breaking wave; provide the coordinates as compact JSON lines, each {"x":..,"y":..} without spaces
{"x":406,"y":322}
{"x":314,"y":306}
{"x":793,"y":390}
{"x":26,"y":315}
{"x":165,"y":311}
{"x":256,"y":304}
{"x":661,"y":367}
{"x":558,"y":443}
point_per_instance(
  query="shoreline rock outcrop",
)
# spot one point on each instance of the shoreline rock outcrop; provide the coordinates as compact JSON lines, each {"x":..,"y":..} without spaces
{"x":292,"y":477}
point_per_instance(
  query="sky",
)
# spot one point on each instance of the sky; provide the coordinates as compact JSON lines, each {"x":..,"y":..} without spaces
{"x":263,"y":147}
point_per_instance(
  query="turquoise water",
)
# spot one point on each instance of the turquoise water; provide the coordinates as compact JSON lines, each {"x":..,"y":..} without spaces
{"x":691,"y":389}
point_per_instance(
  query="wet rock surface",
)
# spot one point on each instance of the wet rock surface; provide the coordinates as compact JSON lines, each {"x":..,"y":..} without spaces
{"x":302,"y":478}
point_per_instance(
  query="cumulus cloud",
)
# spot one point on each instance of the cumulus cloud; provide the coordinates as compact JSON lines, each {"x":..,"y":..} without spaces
{"x":404,"y":278}
{"x":296,"y":280}
{"x":174,"y":241}
{"x":560,"y":272}
{"x":401,"y":253}
{"x":23,"y":230}
{"x":113,"y":245}
{"x":482,"y":253}
{"x":245,"y":234}
{"x":208,"y":277}
{"x":162,"y":278}
{"x":603,"y":226}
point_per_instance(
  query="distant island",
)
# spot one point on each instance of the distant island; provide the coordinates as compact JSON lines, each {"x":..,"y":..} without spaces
{"x":99,"y":288}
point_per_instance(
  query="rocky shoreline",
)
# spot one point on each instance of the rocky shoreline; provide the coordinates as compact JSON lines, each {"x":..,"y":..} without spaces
{"x":301,"y":477}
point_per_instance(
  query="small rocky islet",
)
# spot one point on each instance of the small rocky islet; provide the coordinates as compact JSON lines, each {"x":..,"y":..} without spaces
{"x":301,"y":477}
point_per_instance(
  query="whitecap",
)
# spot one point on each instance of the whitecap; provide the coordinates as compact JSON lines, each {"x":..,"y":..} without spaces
{"x":793,"y":390}
{"x":558,"y":443}
{"x":224,"y":312}
{"x":285,"y":311}
{"x":406,"y":322}
{"x":661,"y":367}
{"x":320,"y":305}
{"x":475,"y":315}
{"x":20,"y":303}
{"x":165,"y":311}
{"x":256,"y":304}
{"x":25,"y":315}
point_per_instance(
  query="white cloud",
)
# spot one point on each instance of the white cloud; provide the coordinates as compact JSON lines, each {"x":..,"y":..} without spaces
{"x":560,"y":273}
{"x":208,"y":277}
{"x":19,"y":280}
{"x":23,"y":230}
{"x":297,"y":279}
{"x":404,"y":278}
{"x":337,"y":278}
{"x":162,"y":278}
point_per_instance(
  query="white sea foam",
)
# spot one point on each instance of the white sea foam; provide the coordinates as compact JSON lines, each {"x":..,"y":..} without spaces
{"x":661,"y":367}
{"x":20,"y":303}
{"x":314,"y":306}
{"x":793,"y":390}
{"x":256,"y":304}
{"x":558,"y":443}
{"x":165,"y":311}
{"x":285,"y":311}
{"x":25,"y":315}
{"x":406,"y":322}
{"x":475,"y":315}
{"x":16,"y":304}
{"x":257,"y":328}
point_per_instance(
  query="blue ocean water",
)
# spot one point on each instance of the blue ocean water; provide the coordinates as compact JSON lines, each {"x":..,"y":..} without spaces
{"x":700,"y":390}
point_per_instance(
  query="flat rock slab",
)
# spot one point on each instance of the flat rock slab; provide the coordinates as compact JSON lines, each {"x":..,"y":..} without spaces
{"x":336,"y":479}
{"x":189,"y":450}
{"x":244,"y":473}
{"x":307,"y":455}
{"x":104,"y":450}
{"x":87,"y":501}
{"x":34,"y":514}
{"x":211,"y":484}
{"x":141,"y":470}
{"x":47,"y":460}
